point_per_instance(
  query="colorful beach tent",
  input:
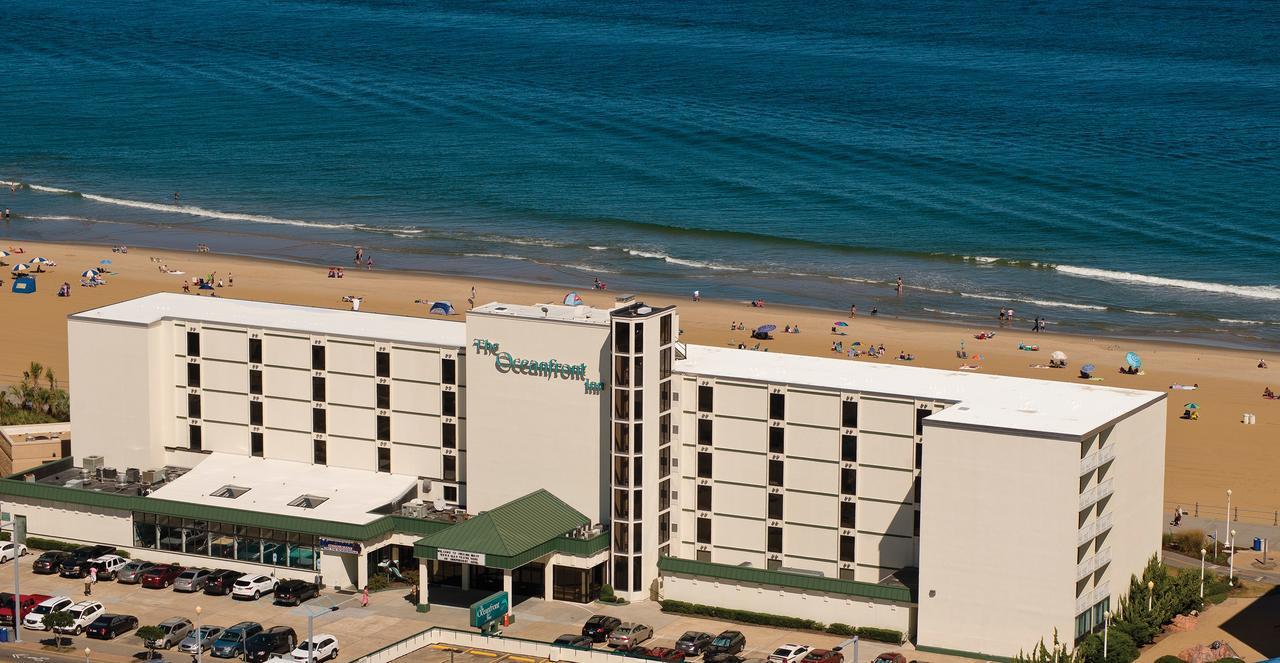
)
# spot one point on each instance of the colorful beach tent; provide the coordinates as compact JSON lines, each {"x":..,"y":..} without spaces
{"x":1133,"y":360}
{"x":1088,"y":368}
{"x":24,"y":285}
{"x":443,"y":308}
{"x":765,"y":329}
{"x":572,"y":299}
{"x":206,"y":286}
{"x":1191,"y":406}
{"x":1058,"y":355}
{"x":104,"y":262}
{"x":841,"y":323}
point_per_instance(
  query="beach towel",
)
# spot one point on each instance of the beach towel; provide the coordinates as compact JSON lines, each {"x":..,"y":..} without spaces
{"x":1184,"y":387}
{"x":1095,"y":379}
{"x":969,"y":367}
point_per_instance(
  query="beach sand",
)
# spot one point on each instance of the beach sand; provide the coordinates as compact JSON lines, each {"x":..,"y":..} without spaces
{"x":1204,"y":457}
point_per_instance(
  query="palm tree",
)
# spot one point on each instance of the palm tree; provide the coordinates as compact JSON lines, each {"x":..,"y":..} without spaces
{"x":37,"y":396}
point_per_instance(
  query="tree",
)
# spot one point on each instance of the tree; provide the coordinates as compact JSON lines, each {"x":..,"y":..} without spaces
{"x":151,"y":636}
{"x":36,"y":398}
{"x":55,"y":621}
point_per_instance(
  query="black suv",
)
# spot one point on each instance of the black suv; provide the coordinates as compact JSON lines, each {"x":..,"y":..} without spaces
{"x":294,"y":592}
{"x":599,"y":627}
{"x":76,"y":566}
{"x":729,"y":642}
{"x":275,"y":640}
{"x":49,"y":562}
{"x":220,"y":582}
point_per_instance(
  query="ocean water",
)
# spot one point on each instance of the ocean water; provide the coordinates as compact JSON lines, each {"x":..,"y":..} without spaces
{"x":1110,"y":166}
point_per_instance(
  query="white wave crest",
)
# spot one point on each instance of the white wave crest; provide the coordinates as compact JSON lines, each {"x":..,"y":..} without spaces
{"x":1233,"y":321}
{"x":48,"y":189}
{"x":682,"y":261}
{"x":55,"y":217}
{"x":1250,"y":291}
{"x":503,"y":256}
{"x":598,"y":248}
{"x":215,"y":214}
{"x":941,"y":312}
{"x":1036,"y":302}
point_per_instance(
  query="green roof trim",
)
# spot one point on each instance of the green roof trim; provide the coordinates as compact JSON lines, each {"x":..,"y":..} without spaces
{"x":747,"y":574}
{"x":513,"y":528}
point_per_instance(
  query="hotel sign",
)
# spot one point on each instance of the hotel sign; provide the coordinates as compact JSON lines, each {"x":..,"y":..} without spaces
{"x":505,"y":362}
{"x":460,"y":556}
{"x":338,"y":546}
{"x":490,"y":609}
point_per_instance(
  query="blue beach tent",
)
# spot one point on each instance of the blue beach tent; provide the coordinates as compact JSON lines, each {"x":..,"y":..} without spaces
{"x":443,"y":308}
{"x":24,"y":285}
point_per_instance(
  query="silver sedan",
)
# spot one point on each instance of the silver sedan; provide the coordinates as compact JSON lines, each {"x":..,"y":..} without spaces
{"x":201,"y":641}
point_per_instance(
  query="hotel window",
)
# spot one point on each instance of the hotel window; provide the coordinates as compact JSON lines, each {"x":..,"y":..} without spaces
{"x":384,"y":459}
{"x":621,"y":471}
{"x":384,"y":428}
{"x":664,"y":495}
{"x":778,"y":406}
{"x":704,"y":498}
{"x":664,"y":329}
{"x":849,"y":448}
{"x":639,"y":402}
{"x":849,"y":414}
{"x":704,"y":530}
{"x":664,"y":528}
{"x":383,"y":392}
{"x":622,"y":438}
{"x":255,"y":413}
{"x":193,"y":375}
{"x":255,"y":445}
{"x":317,"y":357}
{"x":915,"y":489}
{"x":921,"y":413}
{"x":451,"y":493}
{"x":621,"y":537}
{"x":846,"y":549}
{"x":193,"y":344}
{"x":664,"y":430}
{"x":621,"y":337}
{"x":382,"y":363}
{"x":255,"y":382}
{"x":774,"y":540}
{"x":621,"y":372}
{"x":664,"y":364}
{"x":638,"y":499}
{"x":449,"y":371}
{"x":319,"y":421}
{"x":450,"y":468}
{"x":704,"y":465}
{"x":319,"y":452}
{"x":449,"y":403}
{"x":195,"y":439}
{"x":193,"y":406}
{"x":776,"y":443}
{"x":639,"y":372}
{"x":919,"y":455}
{"x":775,"y":506}
{"x":664,"y":462}
{"x":255,"y":351}
{"x":704,"y":431}
{"x":848,"y":481}
{"x":848,"y":515}
{"x":317,"y":389}
{"x":621,"y":567}
{"x":639,"y":344}
{"x":915,"y":527}
{"x":705,"y":396}
{"x":664,"y":395}
{"x":775,"y":473}
{"x":449,"y":435}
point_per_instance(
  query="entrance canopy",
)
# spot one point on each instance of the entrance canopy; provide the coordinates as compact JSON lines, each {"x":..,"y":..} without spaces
{"x":508,"y":536}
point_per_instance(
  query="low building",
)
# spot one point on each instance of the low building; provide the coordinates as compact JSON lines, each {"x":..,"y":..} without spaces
{"x":24,"y":446}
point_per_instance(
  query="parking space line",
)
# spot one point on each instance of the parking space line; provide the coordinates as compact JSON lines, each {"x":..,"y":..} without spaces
{"x":522,"y":659}
{"x":481,"y":652}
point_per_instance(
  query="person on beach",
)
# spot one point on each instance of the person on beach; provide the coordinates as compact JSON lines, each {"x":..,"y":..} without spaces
{"x":697,"y":296}
{"x":230,"y":281}
{"x":874,"y":310}
{"x":899,"y":285}
{"x":368,"y":263}
{"x":364,"y":597}
{"x":186,"y":286}
{"x":6,"y":214}
{"x":359,"y":255}
{"x":176,"y":197}
{"x":853,"y":310}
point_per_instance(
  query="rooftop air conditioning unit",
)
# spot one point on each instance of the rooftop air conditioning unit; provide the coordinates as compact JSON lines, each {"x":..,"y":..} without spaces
{"x":92,"y":463}
{"x":152,"y":476}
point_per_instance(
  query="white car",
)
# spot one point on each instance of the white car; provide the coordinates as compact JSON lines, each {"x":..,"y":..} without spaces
{"x":325,"y":647}
{"x":35,"y":619}
{"x":7,"y":549}
{"x":252,"y":587}
{"x":108,"y":566}
{"x":789,"y":653}
{"x":82,"y":615}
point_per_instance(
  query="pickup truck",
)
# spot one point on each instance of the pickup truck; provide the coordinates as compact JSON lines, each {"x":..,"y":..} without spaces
{"x":26,"y":603}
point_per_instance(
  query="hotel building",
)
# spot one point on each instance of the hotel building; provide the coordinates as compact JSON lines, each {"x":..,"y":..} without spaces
{"x":547,"y":450}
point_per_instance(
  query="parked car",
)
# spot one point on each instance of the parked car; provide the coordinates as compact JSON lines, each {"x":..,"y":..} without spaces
{"x":789,"y":653}
{"x":667,"y":654}
{"x":10,"y":550}
{"x":81,"y":555}
{"x":35,"y":619}
{"x":230,"y":643}
{"x":823,"y":656}
{"x":253,"y":587}
{"x":275,"y":640}
{"x":599,"y":627}
{"x":891,"y":657}
{"x":725,"y":658}
{"x":294,"y":592}
{"x":108,"y":566}
{"x":175,"y":629}
{"x":49,"y":562}
{"x":200,"y":640}
{"x":74,"y":567}
{"x":321,"y":648}
{"x":692,"y":643}
{"x":191,"y":580}
{"x":162,"y":576}
{"x":728,"y":642}
{"x":574,"y":640}
{"x":219,"y":582}
{"x":108,"y":627}
{"x":26,"y":603}
{"x":629,"y":635}
{"x":82,"y":615}
{"x":131,"y":572}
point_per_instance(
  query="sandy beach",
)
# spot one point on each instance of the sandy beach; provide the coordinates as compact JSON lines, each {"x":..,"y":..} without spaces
{"x":1204,"y":457}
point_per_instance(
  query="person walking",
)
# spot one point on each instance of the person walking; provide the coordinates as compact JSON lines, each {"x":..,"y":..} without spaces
{"x":364,"y":597}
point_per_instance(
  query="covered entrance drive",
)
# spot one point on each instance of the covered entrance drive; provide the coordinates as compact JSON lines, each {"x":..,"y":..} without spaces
{"x":535,"y":546}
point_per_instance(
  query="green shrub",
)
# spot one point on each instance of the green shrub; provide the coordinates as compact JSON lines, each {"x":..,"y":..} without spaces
{"x":1230,"y":660}
{"x":606,"y":593}
{"x":841,"y":629}
{"x":1169,"y":658}
{"x":781,"y":621}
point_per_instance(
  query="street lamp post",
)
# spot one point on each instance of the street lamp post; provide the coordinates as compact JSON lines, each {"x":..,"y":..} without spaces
{"x":1202,"y":554}
{"x":87,"y":651}
{"x":199,"y":635}
{"x":311,"y":643}
{"x":1151,"y":590}
{"x":1228,"y":508}
{"x":1106,"y":624}
{"x":1231,"y":556}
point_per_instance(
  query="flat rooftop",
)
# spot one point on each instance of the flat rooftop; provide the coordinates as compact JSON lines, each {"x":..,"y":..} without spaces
{"x":980,"y":400}
{"x":240,"y":312}
{"x":559,"y":312}
{"x":270,"y":486}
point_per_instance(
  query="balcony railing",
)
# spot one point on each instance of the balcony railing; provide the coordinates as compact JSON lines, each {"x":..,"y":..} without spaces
{"x":1086,"y":533}
{"x":1107,"y":487}
{"x":1104,"y":522}
{"x":1083,"y":569}
{"x":1088,"y":463}
{"x":1107,"y":454}
{"x":1084,"y":602}
{"x":1088,"y":497}
{"x":1103,"y":558}
{"x":1101,"y":592}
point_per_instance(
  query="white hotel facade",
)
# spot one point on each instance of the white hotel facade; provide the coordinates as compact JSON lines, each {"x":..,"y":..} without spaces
{"x":548,"y":450}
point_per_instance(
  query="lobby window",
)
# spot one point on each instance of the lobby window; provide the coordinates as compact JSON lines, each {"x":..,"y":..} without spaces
{"x":449,"y":436}
{"x":846,"y":549}
{"x":255,"y":413}
{"x":778,"y":406}
{"x":383,"y":393}
{"x":849,"y":414}
{"x":317,"y":389}
{"x":195,"y":438}
{"x":255,"y":382}
{"x":319,"y":452}
{"x":451,"y":494}
{"x":664,"y":329}
{"x":621,"y":337}
{"x":775,"y":506}
{"x":704,"y":465}
{"x":704,"y":530}
{"x":255,"y":445}
{"x":193,"y":344}
{"x":919,"y":455}
{"x":449,"y":371}
{"x":775,"y":473}
{"x":384,"y":428}
{"x":705,"y":396}
{"x":193,"y":375}
{"x":193,"y":406}
{"x":382,"y":364}
{"x":449,"y":465}
{"x":255,"y":351}
{"x":776,"y":442}
{"x":384,"y":459}
{"x":848,"y":481}
{"x":704,"y":431}
{"x":848,"y":515}
{"x":774,"y":540}
{"x":317,"y":357}
{"x":449,"y":403}
{"x":704,"y":498}
{"x":319,"y":420}
{"x":849,"y":448}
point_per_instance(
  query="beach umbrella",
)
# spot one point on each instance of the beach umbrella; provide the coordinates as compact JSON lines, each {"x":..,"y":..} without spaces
{"x":20,"y":267}
{"x":765,"y":329}
{"x":1058,"y":355}
{"x":4,"y":254}
{"x":841,"y":323}
{"x":89,"y":273}
{"x":104,"y":261}
{"x":443,"y":308}
{"x":1133,"y":360}
{"x":1191,"y":406}
{"x":39,"y":261}
{"x":572,"y":299}
{"x":1088,"y":368}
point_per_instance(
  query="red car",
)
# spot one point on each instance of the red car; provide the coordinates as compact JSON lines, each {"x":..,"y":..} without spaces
{"x":160,"y":577}
{"x":823,"y":656}
{"x":661,"y":654}
{"x":25,"y":603}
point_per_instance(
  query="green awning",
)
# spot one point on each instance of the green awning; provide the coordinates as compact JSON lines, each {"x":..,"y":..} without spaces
{"x":510,"y":532}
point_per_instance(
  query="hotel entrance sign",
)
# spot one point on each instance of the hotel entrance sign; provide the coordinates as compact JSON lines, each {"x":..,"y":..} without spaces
{"x":490,"y":609}
{"x":460,"y":557}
